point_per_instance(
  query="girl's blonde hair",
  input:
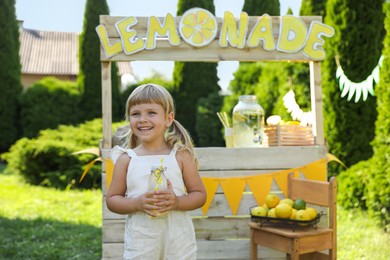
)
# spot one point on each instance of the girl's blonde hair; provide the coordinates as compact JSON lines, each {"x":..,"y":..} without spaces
{"x":176,"y":134}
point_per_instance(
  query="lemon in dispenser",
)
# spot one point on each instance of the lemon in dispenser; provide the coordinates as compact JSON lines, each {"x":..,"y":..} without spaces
{"x":248,"y":122}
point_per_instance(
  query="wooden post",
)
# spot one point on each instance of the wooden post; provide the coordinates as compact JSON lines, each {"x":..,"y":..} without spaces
{"x":316,"y":102}
{"x":106,"y":104}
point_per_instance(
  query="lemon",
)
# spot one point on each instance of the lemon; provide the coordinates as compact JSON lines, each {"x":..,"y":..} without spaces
{"x":271,"y":200}
{"x":292,"y":123}
{"x":299,"y":204}
{"x":283,"y":210}
{"x":312,"y":212}
{"x":293,"y":213}
{"x":287,"y":201}
{"x":198,"y":27}
{"x":302,"y":215}
{"x":271,"y":213}
{"x":258,"y":211}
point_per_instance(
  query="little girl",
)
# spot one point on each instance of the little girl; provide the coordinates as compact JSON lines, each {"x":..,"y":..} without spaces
{"x":153,"y":134}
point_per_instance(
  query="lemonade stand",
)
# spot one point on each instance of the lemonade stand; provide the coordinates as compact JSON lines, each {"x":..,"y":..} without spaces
{"x":235,"y":178}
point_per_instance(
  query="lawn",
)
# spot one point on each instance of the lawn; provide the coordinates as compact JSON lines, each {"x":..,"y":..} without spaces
{"x":43,"y":223}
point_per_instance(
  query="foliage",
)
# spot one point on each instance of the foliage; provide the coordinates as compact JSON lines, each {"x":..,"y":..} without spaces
{"x":349,"y":126}
{"x":10,"y":73}
{"x":257,"y":8}
{"x":89,"y":77}
{"x":193,"y":80}
{"x":378,"y":197}
{"x":270,"y":82}
{"x":313,"y":7}
{"x":352,"y":186}
{"x":245,"y":77}
{"x":209,"y":130}
{"x":48,"y":160}
{"x":373,"y":183}
{"x":47,"y":104}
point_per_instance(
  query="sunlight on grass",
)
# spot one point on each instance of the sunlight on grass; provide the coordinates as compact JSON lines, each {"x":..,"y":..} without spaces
{"x":21,"y":200}
{"x":359,"y":238}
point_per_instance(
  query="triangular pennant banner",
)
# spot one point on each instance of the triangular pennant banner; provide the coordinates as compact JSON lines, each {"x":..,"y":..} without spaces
{"x":233,"y":189}
{"x":211,"y":185}
{"x":260,"y":186}
{"x":89,"y":165}
{"x":315,"y":171}
{"x":281,"y":180}
{"x":109,"y":171}
{"x":331,"y":157}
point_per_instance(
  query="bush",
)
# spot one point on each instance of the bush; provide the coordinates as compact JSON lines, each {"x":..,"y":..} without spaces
{"x":208,"y":127}
{"x":352,"y":186}
{"x":48,"y":160}
{"x":47,"y":104}
{"x":378,"y":195}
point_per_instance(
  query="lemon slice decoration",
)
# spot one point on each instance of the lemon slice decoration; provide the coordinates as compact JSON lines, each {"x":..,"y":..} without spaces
{"x":198,"y":27}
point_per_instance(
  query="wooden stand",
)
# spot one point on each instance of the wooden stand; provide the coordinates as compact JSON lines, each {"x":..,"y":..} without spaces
{"x":220,"y":235}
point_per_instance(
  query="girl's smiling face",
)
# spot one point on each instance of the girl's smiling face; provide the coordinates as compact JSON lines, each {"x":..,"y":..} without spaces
{"x":149,"y":122}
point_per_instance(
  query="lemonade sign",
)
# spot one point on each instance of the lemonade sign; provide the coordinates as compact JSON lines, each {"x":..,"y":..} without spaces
{"x":198,"y":28}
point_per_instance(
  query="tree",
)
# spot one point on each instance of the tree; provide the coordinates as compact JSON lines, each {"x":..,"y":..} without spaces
{"x":366,"y":185}
{"x":193,"y":80}
{"x":89,"y":77}
{"x":257,"y":8}
{"x":379,"y":185}
{"x":357,"y":43}
{"x":313,"y":7}
{"x":10,"y":74}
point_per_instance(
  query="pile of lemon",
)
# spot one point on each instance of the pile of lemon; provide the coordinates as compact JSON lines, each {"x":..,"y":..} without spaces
{"x":274,"y":207}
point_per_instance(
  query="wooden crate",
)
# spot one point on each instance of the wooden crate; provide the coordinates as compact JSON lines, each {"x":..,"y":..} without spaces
{"x":288,"y":135}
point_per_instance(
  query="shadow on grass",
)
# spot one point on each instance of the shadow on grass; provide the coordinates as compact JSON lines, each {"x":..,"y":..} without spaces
{"x":47,"y":239}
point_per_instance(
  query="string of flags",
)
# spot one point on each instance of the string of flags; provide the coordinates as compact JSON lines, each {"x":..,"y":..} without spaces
{"x":359,"y":89}
{"x":259,"y":184}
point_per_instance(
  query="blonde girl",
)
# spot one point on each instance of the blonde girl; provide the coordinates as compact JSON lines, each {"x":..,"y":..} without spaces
{"x":155,"y":134}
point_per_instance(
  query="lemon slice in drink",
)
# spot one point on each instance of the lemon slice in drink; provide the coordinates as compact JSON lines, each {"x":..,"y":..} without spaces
{"x":198,"y":27}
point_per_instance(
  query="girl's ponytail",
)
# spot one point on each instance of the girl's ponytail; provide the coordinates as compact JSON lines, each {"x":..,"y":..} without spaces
{"x":177,"y":136}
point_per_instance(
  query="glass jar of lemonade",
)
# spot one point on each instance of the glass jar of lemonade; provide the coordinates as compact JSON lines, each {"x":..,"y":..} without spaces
{"x":248,"y":122}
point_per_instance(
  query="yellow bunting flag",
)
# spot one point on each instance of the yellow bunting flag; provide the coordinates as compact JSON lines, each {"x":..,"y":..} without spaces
{"x":331,"y":157}
{"x":109,"y":171}
{"x":211,"y":185}
{"x":260,"y":185}
{"x":90,"y":164}
{"x":233,"y":189}
{"x":281,"y":180}
{"x":315,"y":171}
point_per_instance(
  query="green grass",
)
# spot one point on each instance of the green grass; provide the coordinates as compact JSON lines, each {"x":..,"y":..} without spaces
{"x":43,"y":223}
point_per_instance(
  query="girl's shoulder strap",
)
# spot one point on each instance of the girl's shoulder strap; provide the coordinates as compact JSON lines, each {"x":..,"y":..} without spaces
{"x":117,"y":151}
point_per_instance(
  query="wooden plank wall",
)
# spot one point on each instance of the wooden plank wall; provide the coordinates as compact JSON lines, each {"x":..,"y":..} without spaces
{"x":219,"y":234}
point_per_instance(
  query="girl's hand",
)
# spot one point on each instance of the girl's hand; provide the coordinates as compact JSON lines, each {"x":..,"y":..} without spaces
{"x":167,"y":199}
{"x":147,"y":204}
